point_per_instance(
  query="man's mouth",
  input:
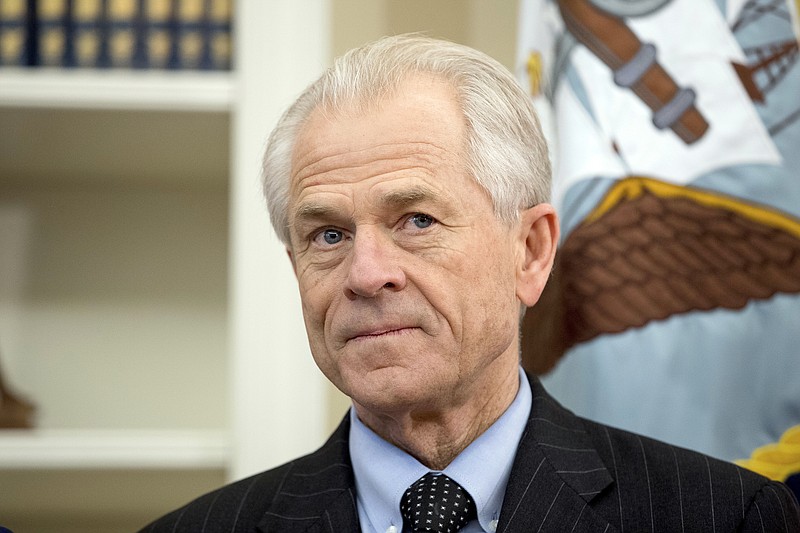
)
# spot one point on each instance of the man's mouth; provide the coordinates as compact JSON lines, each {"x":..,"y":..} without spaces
{"x":380,"y":333}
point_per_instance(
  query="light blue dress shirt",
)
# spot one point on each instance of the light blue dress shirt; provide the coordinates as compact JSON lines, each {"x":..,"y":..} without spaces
{"x":383,"y":472}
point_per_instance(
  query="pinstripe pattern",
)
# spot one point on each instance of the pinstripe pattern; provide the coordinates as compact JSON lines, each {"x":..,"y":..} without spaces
{"x":616,"y":474}
{"x":680,"y":491}
{"x":649,"y":485}
{"x":569,"y":475}
{"x":524,"y":493}
{"x":711,"y":491}
{"x":596,"y":478}
{"x":312,"y":494}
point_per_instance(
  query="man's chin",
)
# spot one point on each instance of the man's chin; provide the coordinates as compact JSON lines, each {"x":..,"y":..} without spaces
{"x":394,"y":396}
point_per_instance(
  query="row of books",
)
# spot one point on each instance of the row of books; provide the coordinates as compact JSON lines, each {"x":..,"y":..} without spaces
{"x":141,"y":34}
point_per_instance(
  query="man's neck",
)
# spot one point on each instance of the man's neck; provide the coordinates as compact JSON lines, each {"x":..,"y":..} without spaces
{"x":436,"y":437}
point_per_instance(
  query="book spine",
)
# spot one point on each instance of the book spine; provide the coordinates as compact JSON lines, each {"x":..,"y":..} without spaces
{"x":121,"y":32}
{"x":219,"y":35}
{"x":189,"y":34}
{"x":68,"y":59}
{"x":87,"y":30}
{"x":161,"y":18}
{"x":140,"y":57}
{"x":103,"y":36}
{"x":15,"y":46}
{"x":32,"y":34}
{"x":52,"y":32}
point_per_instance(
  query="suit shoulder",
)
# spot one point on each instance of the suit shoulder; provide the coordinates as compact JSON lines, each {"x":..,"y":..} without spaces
{"x":708,"y":489}
{"x":240,"y":504}
{"x":621,"y":447}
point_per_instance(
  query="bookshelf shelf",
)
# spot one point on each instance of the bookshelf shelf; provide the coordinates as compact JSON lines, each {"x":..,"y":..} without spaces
{"x":116,"y":89}
{"x":53,"y":449}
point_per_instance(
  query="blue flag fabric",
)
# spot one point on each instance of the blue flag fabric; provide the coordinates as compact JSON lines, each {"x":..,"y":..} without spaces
{"x":674,"y":309}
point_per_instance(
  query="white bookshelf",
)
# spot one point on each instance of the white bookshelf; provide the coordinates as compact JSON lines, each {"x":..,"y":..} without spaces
{"x":114,"y":215}
{"x":145,"y":305}
{"x":120,"y":260}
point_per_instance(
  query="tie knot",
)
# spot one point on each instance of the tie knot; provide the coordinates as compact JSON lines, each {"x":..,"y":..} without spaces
{"x":436,"y":503}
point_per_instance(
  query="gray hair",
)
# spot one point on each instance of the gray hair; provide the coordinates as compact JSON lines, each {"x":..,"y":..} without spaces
{"x":506,"y":150}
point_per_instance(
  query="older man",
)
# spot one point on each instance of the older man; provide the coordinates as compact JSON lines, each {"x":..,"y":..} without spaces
{"x":409,"y":184}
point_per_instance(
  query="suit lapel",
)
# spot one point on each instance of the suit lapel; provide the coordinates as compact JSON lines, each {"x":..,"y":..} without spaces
{"x":556,"y":474}
{"x":318,"y":492}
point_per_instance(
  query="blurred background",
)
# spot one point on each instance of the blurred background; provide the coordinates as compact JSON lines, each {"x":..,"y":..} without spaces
{"x":151,"y":340}
{"x":140,"y":283}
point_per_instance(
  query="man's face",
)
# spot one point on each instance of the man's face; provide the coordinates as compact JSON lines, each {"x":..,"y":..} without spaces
{"x":407,"y":278}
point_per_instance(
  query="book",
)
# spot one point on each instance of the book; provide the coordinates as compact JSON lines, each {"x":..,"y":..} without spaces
{"x":54,"y":26}
{"x":139,"y":34}
{"x":14,"y":31}
{"x":121,"y":34}
{"x":203,"y":33}
{"x":220,"y":38}
{"x":89,"y":33}
{"x":161,"y":20}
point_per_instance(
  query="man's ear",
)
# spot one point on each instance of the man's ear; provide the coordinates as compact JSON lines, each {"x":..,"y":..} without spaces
{"x":538,"y":237}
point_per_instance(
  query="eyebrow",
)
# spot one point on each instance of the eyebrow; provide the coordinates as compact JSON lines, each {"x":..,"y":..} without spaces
{"x":404,"y":198}
{"x":312,"y":210}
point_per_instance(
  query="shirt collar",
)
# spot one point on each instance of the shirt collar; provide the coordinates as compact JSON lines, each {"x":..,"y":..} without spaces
{"x":383,"y":472}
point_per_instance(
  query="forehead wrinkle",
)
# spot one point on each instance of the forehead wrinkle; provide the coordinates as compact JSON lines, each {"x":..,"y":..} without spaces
{"x":394,"y":199}
{"x":319,"y":162}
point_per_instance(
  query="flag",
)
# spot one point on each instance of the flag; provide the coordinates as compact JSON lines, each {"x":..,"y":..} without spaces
{"x":674,"y":307}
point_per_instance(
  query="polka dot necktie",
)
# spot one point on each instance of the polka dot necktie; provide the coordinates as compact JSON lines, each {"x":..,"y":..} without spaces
{"x":436,"y":503}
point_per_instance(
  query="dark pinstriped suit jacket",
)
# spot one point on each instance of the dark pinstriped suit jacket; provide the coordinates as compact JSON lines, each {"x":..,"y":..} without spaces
{"x":570,"y":474}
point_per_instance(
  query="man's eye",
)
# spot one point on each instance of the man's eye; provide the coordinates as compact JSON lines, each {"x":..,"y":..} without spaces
{"x":421,"y":220}
{"x":331,"y":236}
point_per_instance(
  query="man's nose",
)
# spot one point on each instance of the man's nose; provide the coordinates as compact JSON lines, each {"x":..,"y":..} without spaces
{"x":374,"y":266}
